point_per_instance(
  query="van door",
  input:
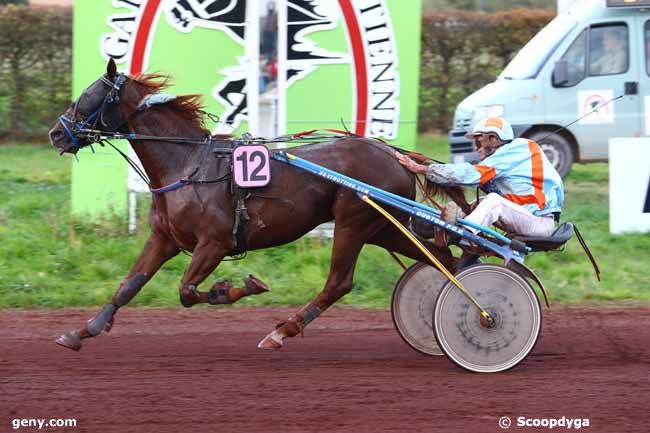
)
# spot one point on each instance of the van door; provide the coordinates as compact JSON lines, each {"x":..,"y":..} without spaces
{"x":643,"y":23}
{"x":599,"y":64}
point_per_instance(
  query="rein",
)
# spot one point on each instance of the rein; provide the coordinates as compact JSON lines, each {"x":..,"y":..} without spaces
{"x":185,"y":180}
{"x":87,"y":130}
{"x":102,"y":137}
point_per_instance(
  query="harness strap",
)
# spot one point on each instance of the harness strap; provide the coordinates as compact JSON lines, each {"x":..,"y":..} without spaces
{"x":64,"y":120}
{"x":172,"y":186}
{"x":241,"y":216}
{"x":185,"y":180}
{"x":239,"y":196}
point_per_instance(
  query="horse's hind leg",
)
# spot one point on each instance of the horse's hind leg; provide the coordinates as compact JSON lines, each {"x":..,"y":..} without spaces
{"x":156,"y":251}
{"x":347,"y":246}
{"x":348,"y":241}
{"x":204,"y":260}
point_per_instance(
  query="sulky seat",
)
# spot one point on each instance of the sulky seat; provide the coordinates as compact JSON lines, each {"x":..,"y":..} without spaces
{"x":560,"y":236}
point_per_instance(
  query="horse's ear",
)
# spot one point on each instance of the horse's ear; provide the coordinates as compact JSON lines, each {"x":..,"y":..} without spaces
{"x":111,"y":69}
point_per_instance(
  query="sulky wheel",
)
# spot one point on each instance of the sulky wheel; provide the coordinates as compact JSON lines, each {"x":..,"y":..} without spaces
{"x":412,"y":305}
{"x":473,"y":344}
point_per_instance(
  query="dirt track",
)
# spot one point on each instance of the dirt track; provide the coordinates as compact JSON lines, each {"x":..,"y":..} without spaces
{"x":199,"y":371}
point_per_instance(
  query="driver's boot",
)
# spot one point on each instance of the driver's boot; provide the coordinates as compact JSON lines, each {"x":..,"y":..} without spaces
{"x":450,"y":214}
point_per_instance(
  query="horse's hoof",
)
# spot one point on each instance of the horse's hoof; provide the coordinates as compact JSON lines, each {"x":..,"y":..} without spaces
{"x":71,"y":340}
{"x":273,"y":341}
{"x":255,"y":286}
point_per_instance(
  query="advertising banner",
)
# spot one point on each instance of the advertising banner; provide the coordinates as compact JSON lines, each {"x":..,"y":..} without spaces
{"x":269,"y":67}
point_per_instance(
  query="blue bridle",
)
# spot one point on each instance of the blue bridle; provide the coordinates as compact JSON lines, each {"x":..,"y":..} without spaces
{"x":73,"y":126}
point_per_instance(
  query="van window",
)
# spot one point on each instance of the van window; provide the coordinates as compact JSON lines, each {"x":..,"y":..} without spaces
{"x":646,"y":34}
{"x":608,"y":50}
{"x":576,"y":59}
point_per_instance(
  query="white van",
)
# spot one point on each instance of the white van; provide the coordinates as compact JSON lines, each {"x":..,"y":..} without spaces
{"x":595,"y":52}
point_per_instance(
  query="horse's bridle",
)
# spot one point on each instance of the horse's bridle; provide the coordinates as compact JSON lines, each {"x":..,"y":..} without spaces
{"x":73,"y":126}
{"x":86,"y":128}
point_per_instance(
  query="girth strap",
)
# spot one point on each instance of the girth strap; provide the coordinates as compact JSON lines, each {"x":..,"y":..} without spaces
{"x":241,"y":216}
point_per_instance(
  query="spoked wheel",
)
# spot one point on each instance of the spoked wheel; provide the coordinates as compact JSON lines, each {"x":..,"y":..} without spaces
{"x":414,"y":297}
{"x":473,"y":344}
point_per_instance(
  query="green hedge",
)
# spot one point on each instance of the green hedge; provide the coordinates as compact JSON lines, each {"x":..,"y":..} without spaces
{"x":461,"y":51}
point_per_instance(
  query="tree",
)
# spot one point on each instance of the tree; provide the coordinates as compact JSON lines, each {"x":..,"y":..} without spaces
{"x":13,"y":2}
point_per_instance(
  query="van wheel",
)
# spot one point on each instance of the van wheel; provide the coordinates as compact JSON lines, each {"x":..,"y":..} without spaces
{"x":557,"y":149}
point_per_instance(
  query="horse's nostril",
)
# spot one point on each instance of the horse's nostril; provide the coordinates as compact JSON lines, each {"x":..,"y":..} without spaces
{"x":56,"y":135}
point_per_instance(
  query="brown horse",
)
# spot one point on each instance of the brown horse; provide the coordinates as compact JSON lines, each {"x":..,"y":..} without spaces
{"x":200,"y":217}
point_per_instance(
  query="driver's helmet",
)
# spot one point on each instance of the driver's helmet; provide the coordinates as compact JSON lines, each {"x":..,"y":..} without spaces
{"x":498,"y":125}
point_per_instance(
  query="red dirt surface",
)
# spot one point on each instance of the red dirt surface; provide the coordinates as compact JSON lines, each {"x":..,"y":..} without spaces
{"x":199,"y":371}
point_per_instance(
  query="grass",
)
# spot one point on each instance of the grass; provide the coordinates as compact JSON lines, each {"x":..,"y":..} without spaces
{"x":49,"y":259}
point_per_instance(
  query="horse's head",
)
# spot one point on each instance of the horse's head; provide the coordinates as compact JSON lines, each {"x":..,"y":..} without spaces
{"x":98,"y":107}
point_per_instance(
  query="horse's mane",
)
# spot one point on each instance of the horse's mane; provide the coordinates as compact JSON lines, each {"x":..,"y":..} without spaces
{"x":188,"y":107}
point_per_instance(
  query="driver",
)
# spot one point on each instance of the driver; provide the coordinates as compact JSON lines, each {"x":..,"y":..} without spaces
{"x":525,"y":192}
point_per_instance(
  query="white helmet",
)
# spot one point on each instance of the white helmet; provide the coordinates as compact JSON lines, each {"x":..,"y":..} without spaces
{"x":498,"y":125}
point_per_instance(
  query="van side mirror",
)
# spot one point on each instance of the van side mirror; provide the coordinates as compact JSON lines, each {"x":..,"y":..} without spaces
{"x":561,"y":74}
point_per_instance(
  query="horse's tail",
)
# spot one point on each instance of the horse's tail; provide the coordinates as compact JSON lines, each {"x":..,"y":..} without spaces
{"x":431,"y":189}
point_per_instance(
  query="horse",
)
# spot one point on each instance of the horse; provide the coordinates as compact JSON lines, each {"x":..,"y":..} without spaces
{"x":199,"y":217}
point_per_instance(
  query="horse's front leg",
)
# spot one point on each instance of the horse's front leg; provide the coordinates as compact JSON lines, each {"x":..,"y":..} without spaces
{"x":205,"y":259}
{"x":156,"y":251}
